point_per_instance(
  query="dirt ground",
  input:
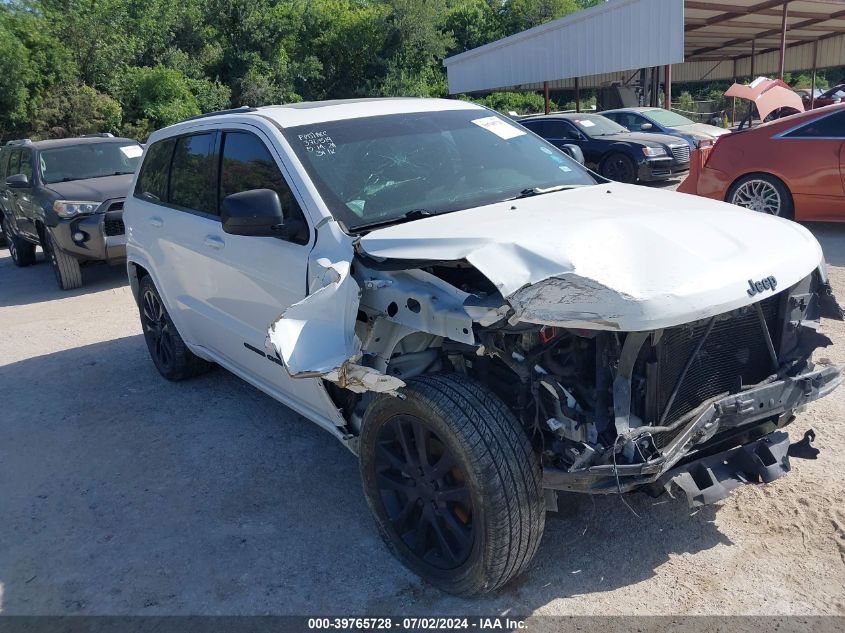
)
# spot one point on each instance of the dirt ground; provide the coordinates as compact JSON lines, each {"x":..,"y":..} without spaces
{"x":121,"y":493}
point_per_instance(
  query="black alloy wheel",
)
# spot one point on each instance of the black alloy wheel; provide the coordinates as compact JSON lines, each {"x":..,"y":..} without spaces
{"x":620,"y":168}
{"x":171,"y":356}
{"x":424,"y":492}
{"x":157,"y":330}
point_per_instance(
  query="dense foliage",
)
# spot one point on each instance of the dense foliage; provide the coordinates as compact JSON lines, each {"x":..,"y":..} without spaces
{"x":131,"y":66}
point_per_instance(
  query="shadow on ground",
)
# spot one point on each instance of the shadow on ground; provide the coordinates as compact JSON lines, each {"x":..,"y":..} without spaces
{"x":37,"y":283}
{"x":126,"y":494}
{"x":831,"y":236}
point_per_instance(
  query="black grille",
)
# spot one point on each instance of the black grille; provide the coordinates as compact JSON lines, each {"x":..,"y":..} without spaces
{"x":114,"y":227}
{"x":734,"y":354}
{"x":116,"y":206}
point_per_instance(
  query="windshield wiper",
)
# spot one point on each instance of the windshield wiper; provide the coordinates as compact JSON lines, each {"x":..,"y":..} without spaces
{"x":413,"y":214}
{"x":537,"y":191}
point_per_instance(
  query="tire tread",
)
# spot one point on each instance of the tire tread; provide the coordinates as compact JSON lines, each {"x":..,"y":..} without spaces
{"x":499,"y":450}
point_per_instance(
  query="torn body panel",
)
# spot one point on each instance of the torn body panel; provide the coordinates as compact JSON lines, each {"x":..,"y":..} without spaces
{"x":316,"y":336}
{"x":346,"y":330}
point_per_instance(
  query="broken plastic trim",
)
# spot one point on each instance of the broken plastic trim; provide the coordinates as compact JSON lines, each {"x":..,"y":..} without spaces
{"x":753,"y":405}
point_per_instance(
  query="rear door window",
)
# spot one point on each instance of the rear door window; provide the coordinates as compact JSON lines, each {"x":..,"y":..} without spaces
{"x":152,"y":181}
{"x":191,"y":184}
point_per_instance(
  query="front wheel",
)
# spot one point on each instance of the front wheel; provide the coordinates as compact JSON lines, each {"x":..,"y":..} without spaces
{"x":66,"y":267}
{"x":763,"y":193}
{"x":620,"y":168}
{"x":453,"y":483}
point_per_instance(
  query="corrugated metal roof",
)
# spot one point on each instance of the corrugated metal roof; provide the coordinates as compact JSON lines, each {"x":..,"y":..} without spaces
{"x":642,"y":33}
{"x":609,"y":42}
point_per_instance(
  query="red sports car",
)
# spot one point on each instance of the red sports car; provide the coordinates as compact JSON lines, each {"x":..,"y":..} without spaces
{"x":792,"y":167}
{"x":828,"y":97}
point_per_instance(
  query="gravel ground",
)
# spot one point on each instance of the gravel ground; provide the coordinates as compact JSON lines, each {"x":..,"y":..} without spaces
{"x":121,"y":493}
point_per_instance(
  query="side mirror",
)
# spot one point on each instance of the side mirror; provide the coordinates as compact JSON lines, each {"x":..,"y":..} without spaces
{"x":645,"y":127}
{"x":573,"y":151}
{"x":258,"y":212}
{"x":18,"y":181}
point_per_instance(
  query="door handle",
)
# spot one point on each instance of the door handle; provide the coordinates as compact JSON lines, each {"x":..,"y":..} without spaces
{"x":212,"y":241}
{"x":156,"y":222}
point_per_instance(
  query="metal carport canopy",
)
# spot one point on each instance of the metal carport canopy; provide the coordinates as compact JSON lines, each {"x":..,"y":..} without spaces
{"x":701,"y":40}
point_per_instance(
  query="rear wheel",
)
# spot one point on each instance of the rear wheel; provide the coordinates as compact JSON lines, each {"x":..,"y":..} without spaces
{"x":22,"y":252}
{"x":66,"y":267}
{"x":620,"y":168}
{"x":763,"y":193}
{"x":453,"y":483}
{"x":170,"y":355}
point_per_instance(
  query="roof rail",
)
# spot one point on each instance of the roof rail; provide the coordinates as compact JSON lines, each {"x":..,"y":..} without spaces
{"x":241,"y":110}
{"x":19,"y":141}
{"x":99,"y":135}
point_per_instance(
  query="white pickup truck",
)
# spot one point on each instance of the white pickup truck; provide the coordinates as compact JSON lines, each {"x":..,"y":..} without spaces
{"x":475,"y":315}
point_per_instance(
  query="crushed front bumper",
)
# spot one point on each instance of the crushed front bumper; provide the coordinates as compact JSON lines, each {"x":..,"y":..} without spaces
{"x":731,"y":422}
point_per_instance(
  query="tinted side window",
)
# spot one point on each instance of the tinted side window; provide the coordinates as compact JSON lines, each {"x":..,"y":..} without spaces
{"x":26,"y":164}
{"x":4,"y":166}
{"x":246,"y":164}
{"x":832,"y":126}
{"x":15,"y":163}
{"x":152,"y":181}
{"x":190,"y":173}
{"x":632,"y":122}
{"x":534,"y":126}
{"x":558,"y":130}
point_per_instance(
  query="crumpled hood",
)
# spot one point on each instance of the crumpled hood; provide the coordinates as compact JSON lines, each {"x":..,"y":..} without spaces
{"x":615,"y":256}
{"x":93,"y":189}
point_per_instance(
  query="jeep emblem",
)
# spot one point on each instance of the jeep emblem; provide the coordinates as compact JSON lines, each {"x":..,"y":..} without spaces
{"x":767,"y":283}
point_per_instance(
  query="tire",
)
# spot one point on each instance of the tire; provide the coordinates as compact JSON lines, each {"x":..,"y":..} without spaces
{"x":22,"y":251}
{"x":66,"y":267}
{"x":170,"y":355}
{"x":489,"y":503}
{"x":763,"y":193}
{"x":620,"y":168}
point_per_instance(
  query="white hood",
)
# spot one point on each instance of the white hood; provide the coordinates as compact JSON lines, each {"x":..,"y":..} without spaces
{"x":618,"y":257}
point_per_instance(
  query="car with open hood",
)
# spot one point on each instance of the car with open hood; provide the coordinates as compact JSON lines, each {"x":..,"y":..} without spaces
{"x":612,"y":150}
{"x":479,"y":318}
{"x":66,"y":195}
{"x":792,"y":167}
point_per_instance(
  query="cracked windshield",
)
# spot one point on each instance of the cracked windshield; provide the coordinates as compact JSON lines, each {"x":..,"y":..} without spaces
{"x":378,"y":170}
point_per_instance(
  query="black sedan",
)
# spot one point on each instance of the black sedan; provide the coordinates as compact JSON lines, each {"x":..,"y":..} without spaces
{"x":612,"y":150}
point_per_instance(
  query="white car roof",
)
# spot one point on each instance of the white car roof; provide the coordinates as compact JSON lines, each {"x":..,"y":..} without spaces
{"x":294,"y":114}
{"x":311,"y":112}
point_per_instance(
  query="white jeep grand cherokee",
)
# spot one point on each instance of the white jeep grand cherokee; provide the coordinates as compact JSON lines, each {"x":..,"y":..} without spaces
{"x":475,"y":315}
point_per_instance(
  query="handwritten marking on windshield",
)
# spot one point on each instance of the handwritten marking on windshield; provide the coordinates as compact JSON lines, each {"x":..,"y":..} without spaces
{"x":318,"y":143}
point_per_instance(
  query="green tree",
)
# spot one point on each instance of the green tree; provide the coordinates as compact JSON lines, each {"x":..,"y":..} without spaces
{"x":74,"y":110}
{"x":154,"y":97}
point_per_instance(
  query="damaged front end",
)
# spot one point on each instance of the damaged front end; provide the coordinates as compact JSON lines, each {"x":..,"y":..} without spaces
{"x":695,"y":406}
